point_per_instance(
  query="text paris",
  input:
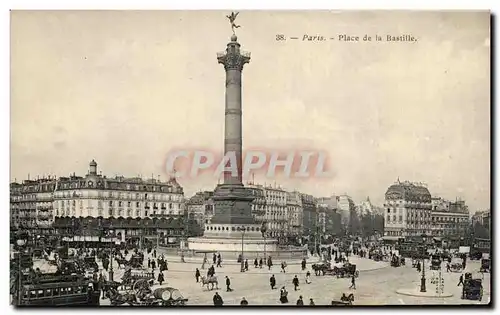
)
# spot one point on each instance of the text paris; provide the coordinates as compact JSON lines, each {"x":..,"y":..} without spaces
{"x":401,"y":38}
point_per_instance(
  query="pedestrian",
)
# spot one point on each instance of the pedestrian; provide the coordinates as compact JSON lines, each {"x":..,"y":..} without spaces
{"x":228,"y":284}
{"x":283,"y":295}
{"x":161,"y":278}
{"x":295,"y":282}
{"x":269,"y":262}
{"x":448,"y":269}
{"x":461,"y":282}
{"x":304,"y":264}
{"x":255,"y":263}
{"x":219,"y":261}
{"x":215,"y":260}
{"x":153,"y":265}
{"x":244,"y":301}
{"x":300,"y":302}
{"x":353,"y":283}
{"x":149,"y":263}
{"x":197,"y":275}
{"x":283,"y":267}
{"x":218,"y":299}
{"x":308,"y":277}
{"x":246,"y":264}
{"x":311,"y":302}
{"x":260,"y":263}
{"x":272,"y":282}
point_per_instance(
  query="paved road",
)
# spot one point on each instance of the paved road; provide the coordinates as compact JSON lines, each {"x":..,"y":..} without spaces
{"x":373,"y":287}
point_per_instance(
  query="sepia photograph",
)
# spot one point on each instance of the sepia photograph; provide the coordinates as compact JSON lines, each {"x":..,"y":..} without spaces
{"x":334,"y":158}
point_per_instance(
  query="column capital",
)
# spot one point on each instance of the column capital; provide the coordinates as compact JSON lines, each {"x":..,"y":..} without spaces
{"x":233,"y":60}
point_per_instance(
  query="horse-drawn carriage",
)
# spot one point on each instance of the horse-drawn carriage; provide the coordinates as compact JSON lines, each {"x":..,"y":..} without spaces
{"x":435,"y":262}
{"x":141,"y":294}
{"x":472,"y":288}
{"x":376,"y":256}
{"x":397,"y":261}
{"x":131,"y":276}
{"x":90,"y":263}
{"x":485,"y":265}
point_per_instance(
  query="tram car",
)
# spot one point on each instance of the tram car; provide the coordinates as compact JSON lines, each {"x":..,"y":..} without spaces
{"x":66,"y":293}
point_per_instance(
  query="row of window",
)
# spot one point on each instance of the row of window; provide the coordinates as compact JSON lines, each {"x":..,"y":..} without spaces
{"x":120,"y":195}
{"x":219,"y":228}
{"x":113,"y":213}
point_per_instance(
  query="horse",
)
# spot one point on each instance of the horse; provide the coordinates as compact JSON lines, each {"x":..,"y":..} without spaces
{"x":122,"y":263}
{"x":212,"y":280}
{"x":319,"y":269}
{"x":118,"y":299}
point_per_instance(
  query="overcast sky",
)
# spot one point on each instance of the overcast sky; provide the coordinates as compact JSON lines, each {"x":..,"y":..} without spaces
{"x":125,"y":88}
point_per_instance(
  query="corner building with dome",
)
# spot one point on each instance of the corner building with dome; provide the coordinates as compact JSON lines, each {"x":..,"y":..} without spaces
{"x":407,"y":210}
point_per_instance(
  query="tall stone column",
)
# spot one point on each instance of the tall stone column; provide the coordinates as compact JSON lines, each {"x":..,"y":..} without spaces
{"x":233,"y":60}
{"x":232,"y":202}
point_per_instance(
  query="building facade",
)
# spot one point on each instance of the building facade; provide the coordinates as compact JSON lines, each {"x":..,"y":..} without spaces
{"x":31,"y":203}
{"x":346,"y":207}
{"x":449,"y":224}
{"x":310,"y":217}
{"x":98,"y":196}
{"x":407,"y":210}
{"x":295,"y":214}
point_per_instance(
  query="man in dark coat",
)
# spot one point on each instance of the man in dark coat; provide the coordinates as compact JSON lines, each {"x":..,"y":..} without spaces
{"x":295,"y":282}
{"x":228,"y":284}
{"x":153,"y":265}
{"x":255,"y":263}
{"x":197,"y":275}
{"x":260,"y":263}
{"x":353,"y":283}
{"x":218,"y":299}
{"x":272,"y":282}
{"x":161,"y":278}
{"x":149,"y":263}
{"x":303,"y":264}
{"x":461,"y":280}
{"x":300,"y":302}
{"x":246,"y":264}
{"x":215,"y":260}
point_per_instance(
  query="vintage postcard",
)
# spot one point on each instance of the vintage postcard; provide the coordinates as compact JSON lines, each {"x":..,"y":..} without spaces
{"x":201,"y":158}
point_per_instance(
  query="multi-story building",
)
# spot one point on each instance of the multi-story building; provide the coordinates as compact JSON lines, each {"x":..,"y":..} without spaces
{"x":270,"y":207}
{"x":309,"y":210}
{"x":98,"y":196}
{"x":295,"y":214}
{"x":322,"y":219}
{"x":258,"y":203}
{"x":31,"y":203}
{"x":195,"y":207}
{"x":483,"y":218}
{"x":449,"y":224}
{"x":346,"y":208}
{"x":408,"y":210}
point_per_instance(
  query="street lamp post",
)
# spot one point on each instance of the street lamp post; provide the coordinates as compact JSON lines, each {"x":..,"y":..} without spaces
{"x":111,"y":261}
{"x":242,"y":229}
{"x":424,"y":249}
{"x":263,"y":230}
